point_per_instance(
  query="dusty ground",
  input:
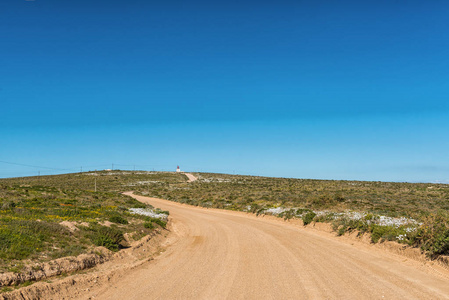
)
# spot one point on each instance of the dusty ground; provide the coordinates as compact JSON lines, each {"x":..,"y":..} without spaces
{"x":229,"y":255}
{"x":191,"y":177}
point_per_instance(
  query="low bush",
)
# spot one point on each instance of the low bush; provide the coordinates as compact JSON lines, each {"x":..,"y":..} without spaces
{"x":383,"y":232}
{"x":157,"y":221}
{"x":308,"y":217}
{"x":288,"y":214}
{"x":328,"y":217}
{"x":108,"y":237}
{"x":378,"y":232}
{"x":118,"y":219}
{"x":148,"y":225}
{"x":433,"y":234}
{"x":159,"y":211}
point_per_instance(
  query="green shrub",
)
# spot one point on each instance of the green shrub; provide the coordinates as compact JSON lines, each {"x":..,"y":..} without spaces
{"x":148,"y":225}
{"x":157,"y":221}
{"x":341,"y":230}
{"x":301,"y":211}
{"x":433,"y":234}
{"x":325,"y":217}
{"x":288,"y":214}
{"x":106,"y":241}
{"x":255,"y":208}
{"x":341,"y":226}
{"x":440,"y":244}
{"x":385,"y":232}
{"x":139,"y":205}
{"x":118,"y":219}
{"x":368,"y":217}
{"x":160,"y":223}
{"x":108,"y":237}
{"x":359,"y":225}
{"x":308,"y":218}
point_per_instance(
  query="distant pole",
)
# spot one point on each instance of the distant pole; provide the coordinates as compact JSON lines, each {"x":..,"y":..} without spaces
{"x":95,"y":184}
{"x":81,"y":169}
{"x":38,"y":173}
{"x":112,"y":167}
{"x":134,"y":167}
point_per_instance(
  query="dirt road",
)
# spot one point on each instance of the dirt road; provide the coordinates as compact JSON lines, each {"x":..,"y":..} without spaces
{"x":191,"y":177}
{"x":228,"y":255}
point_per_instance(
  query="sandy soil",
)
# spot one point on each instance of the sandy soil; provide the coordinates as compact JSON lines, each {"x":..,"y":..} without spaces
{"x":219,"y":254}
{"x":191,"y":177}
{"x":78,"y":284}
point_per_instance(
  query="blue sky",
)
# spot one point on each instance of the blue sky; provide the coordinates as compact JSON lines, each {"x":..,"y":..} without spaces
{"x":306,"y":89}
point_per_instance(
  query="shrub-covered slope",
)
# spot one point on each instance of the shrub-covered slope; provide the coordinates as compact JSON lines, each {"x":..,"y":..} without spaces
{"x":48,"y":217}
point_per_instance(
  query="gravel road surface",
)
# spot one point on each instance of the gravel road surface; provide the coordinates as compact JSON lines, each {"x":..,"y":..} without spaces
{"x":219,"y":254}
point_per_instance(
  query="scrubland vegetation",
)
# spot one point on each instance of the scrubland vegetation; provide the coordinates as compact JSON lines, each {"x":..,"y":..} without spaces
{"x":412,"y":213}
{"x":34,"y":211}
{"x":48,"y":217}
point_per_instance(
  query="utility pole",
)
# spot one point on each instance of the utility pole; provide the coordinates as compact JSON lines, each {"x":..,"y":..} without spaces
{"x":95,"y":184}
{"x":38,"y":173}
{"x":81,"y":169}
{"x":134,"y":167}
{"x":112,"y":167}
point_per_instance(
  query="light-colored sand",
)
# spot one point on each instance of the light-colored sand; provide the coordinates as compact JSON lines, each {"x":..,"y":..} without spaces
{"x":191,"y":177}
{"x":231,"y":255}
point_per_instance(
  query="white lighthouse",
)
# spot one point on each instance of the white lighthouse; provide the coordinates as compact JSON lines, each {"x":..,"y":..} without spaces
{"x":178,"y":170}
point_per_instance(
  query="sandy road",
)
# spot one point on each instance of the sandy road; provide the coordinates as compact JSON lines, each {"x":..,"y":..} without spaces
{"x":228,"y":255}
{"x":190,"y":177}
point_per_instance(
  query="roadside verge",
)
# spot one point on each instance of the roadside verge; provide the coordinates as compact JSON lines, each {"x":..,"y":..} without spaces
{"x":58,"y":285}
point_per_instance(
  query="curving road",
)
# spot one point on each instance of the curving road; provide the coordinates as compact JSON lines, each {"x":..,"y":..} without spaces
{"x":229,"y":255}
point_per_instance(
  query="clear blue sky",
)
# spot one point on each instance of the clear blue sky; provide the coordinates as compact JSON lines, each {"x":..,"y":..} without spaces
{"x":306,"y":89}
